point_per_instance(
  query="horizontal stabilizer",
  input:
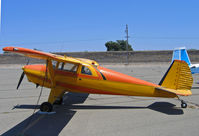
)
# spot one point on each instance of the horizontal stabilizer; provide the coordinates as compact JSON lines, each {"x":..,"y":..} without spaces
{"x":177,"y":92}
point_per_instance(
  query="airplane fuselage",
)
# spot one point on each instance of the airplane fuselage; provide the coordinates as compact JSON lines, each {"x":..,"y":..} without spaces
{"x":102,"y":81}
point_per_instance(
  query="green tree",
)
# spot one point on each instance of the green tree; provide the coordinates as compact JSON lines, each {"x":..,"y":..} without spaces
{"x":119,"y":45}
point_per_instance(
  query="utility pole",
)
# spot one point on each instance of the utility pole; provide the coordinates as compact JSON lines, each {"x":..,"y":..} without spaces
{"x":127,"y":36}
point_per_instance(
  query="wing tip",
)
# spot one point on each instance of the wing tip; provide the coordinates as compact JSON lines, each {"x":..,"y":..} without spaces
{"x":8,"y":48}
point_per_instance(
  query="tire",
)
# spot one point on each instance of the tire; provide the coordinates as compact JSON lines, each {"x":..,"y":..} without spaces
{"x":183,"y":105}
{"x":46,"y":107}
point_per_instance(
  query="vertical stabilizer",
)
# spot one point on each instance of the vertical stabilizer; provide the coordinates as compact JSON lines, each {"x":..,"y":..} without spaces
{"x":178,"y":77}
{"x":181,"y":54}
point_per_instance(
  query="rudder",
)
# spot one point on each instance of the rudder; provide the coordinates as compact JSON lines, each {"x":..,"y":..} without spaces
{"x":181,"y":54}
{"x":178,"y":76}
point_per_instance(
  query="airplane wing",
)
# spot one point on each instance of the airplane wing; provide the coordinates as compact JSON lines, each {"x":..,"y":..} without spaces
{"x":40,"y":55}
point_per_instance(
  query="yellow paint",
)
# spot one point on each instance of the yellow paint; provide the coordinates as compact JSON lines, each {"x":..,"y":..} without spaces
{"x":104,"y":85}
{"x":51,"y":73}
{"x":55,"y":94}
{"x":177,"y":82}
{"x":179,"y":79}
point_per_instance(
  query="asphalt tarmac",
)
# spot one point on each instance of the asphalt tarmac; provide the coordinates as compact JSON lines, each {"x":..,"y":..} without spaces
{"x":96,"y":115}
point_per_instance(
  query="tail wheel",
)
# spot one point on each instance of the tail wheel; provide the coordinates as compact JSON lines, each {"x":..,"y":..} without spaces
{"x":183,"y":104}
{"x":46,"y":107}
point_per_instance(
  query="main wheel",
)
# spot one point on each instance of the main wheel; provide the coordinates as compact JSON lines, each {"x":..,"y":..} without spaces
{"x":183,"y":105}
{"x":46,"y":107}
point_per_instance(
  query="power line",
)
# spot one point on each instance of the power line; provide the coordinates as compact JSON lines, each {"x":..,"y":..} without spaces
{"x":166,"y":37}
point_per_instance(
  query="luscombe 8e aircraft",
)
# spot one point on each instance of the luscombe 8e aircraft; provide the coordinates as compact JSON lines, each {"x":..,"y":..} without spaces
{"x":66,"y":74}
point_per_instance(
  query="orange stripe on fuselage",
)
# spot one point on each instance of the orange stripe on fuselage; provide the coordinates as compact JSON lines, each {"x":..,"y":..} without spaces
{"x":119,"y":77}
{"x":38,"y":67}
{"x":88,"y":76}
{"x":65,"y":73}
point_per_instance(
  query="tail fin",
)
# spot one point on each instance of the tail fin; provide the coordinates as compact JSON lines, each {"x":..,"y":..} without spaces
{"x":178,"y":79}
{"x":181,"y":54}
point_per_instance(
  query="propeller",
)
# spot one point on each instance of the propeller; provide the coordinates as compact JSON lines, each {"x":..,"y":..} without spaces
{"x":22,"y":76}
{"x":20,"y":80}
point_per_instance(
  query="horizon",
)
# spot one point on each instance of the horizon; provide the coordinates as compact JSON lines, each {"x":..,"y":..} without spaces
{"x":104,"y":51}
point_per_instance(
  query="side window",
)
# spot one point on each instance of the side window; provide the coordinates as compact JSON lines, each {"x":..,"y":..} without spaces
{"x":61,"y":65}
{"x":67,"y":67}
{"x":70,"y":67}
{"x":86,"y":70}
{"x":54,"y":63}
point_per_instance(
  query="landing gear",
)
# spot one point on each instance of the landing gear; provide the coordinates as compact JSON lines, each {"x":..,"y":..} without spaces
{"x":183,"y":104}
{"x":46,"y":107}
{"x":58,"y":102}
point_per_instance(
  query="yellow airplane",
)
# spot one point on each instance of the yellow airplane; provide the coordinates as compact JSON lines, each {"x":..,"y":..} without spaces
{"x":66,"y":74}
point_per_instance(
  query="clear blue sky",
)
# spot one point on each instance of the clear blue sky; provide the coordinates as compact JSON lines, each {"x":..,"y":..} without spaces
{"x":85,"y":25}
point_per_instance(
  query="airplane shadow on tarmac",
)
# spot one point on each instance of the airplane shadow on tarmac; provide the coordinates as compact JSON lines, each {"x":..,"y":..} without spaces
{"x":52,"y":124}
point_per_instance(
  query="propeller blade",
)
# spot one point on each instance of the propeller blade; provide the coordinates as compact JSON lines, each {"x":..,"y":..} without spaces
{"x":20,"y":80}
{"x":22,"y":76}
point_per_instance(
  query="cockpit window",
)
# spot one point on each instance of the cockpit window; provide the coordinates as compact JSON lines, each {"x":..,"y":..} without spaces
{"x":86,"y":70}
{"x":67,"y":67}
